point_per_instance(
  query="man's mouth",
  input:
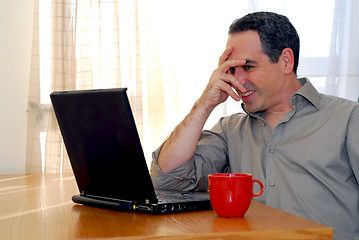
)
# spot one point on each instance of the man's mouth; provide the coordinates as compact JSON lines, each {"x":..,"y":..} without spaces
{"x":246,"y":94}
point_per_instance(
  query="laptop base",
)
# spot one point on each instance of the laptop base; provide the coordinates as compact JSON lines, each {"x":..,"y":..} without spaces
{"x":130,"y":206}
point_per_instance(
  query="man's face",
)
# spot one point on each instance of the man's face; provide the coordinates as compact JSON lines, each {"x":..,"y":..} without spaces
{"x":262,"y":79}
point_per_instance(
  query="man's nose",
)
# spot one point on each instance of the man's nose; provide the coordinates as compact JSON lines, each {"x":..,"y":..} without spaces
{"x":241,"y":75}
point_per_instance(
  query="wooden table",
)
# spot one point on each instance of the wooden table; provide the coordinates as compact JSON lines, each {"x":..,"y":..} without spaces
{"x":40,"y":207}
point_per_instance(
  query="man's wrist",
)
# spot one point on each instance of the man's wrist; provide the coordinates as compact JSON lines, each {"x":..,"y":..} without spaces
{"x":201,"y":111}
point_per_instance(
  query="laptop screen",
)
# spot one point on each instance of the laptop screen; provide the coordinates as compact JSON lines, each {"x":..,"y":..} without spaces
{"x":102,"y":142}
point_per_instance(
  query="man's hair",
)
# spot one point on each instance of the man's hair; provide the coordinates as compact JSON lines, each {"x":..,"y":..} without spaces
{"x":275,"y":33}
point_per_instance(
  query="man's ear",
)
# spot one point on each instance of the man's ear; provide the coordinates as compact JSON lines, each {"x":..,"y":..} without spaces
{"x":288,"y":60}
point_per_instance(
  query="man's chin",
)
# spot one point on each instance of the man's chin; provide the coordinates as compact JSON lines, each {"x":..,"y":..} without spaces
{"x":250,"y":108}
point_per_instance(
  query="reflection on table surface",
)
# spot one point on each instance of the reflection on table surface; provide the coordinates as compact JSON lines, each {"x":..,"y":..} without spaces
{"x":40,"y":207}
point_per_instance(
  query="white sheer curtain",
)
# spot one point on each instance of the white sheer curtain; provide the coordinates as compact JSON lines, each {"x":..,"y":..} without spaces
{"x":343,"y":65}
{"x":93,"y":44}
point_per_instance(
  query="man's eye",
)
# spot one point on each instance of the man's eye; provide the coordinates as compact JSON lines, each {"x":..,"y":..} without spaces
{"x":247,"y":67}
{"x":232,"y":70}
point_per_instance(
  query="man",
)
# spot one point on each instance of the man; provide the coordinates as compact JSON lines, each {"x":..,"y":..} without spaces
{"x":301,"y":144}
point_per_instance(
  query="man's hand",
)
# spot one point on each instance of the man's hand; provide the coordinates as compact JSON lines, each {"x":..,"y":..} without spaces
{"x":223,"y":82}
{"x":182,"y":143}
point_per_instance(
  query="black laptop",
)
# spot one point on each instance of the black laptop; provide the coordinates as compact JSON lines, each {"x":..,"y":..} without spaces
{"x":106,"y":156}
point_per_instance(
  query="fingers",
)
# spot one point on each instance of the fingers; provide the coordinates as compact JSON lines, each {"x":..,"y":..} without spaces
{"x":222,"y":84}
{"x":225,"y":55}
{"x":228,"y":69}
{"x":228,"y":89}
{"x":231,"y":86}
{"x":225,"y":81}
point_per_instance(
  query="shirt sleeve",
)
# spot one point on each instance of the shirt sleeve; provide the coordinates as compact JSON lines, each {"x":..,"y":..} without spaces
{"x":211,"y":156}
{"x":352,"y":142}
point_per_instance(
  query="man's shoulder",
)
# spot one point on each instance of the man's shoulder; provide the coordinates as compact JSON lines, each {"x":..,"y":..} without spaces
{"x":337,"y":102}
{"x":339,"y":108}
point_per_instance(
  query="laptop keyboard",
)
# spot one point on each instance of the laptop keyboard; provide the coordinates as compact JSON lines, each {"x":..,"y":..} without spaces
{"x":173,"y":196}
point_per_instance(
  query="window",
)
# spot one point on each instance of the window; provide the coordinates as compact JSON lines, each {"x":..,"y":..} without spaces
{"x":313,"y":21}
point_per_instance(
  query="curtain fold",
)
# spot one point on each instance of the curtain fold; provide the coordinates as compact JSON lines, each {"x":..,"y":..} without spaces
{"x":45,"y":151}
{"x":343,"y":70}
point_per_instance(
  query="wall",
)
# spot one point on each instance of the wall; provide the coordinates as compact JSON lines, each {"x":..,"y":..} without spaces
{"x":16,"y":18}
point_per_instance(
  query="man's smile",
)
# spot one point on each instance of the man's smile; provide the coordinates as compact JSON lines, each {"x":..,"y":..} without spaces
{"x":246,"y":94}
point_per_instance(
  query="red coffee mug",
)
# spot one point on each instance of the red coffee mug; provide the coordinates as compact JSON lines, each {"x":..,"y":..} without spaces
{"x":231,"y":193}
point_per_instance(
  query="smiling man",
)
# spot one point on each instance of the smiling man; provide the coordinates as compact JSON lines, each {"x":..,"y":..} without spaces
{"x":301,"y":144}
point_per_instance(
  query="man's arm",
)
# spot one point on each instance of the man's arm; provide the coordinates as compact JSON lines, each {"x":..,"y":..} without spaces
{"x":182,"y":143}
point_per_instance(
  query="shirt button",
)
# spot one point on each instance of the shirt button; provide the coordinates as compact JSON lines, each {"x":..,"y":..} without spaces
{"x":272,"y":184}
{"x":271,"y":150}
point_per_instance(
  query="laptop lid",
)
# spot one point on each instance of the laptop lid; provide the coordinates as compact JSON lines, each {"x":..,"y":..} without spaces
{"x":103,"y":145}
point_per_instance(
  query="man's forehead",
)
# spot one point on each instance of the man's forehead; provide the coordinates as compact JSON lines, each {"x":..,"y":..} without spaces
{"x":245,"y":45}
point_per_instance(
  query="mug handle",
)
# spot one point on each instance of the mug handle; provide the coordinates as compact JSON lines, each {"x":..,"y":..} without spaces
{"x":262,"y":188}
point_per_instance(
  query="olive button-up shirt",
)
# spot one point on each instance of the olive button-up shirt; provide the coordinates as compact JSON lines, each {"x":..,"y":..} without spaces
{"x":309,"y":163}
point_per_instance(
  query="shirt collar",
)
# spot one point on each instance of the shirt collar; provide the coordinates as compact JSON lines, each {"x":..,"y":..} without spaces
{"x":307,"y":91}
